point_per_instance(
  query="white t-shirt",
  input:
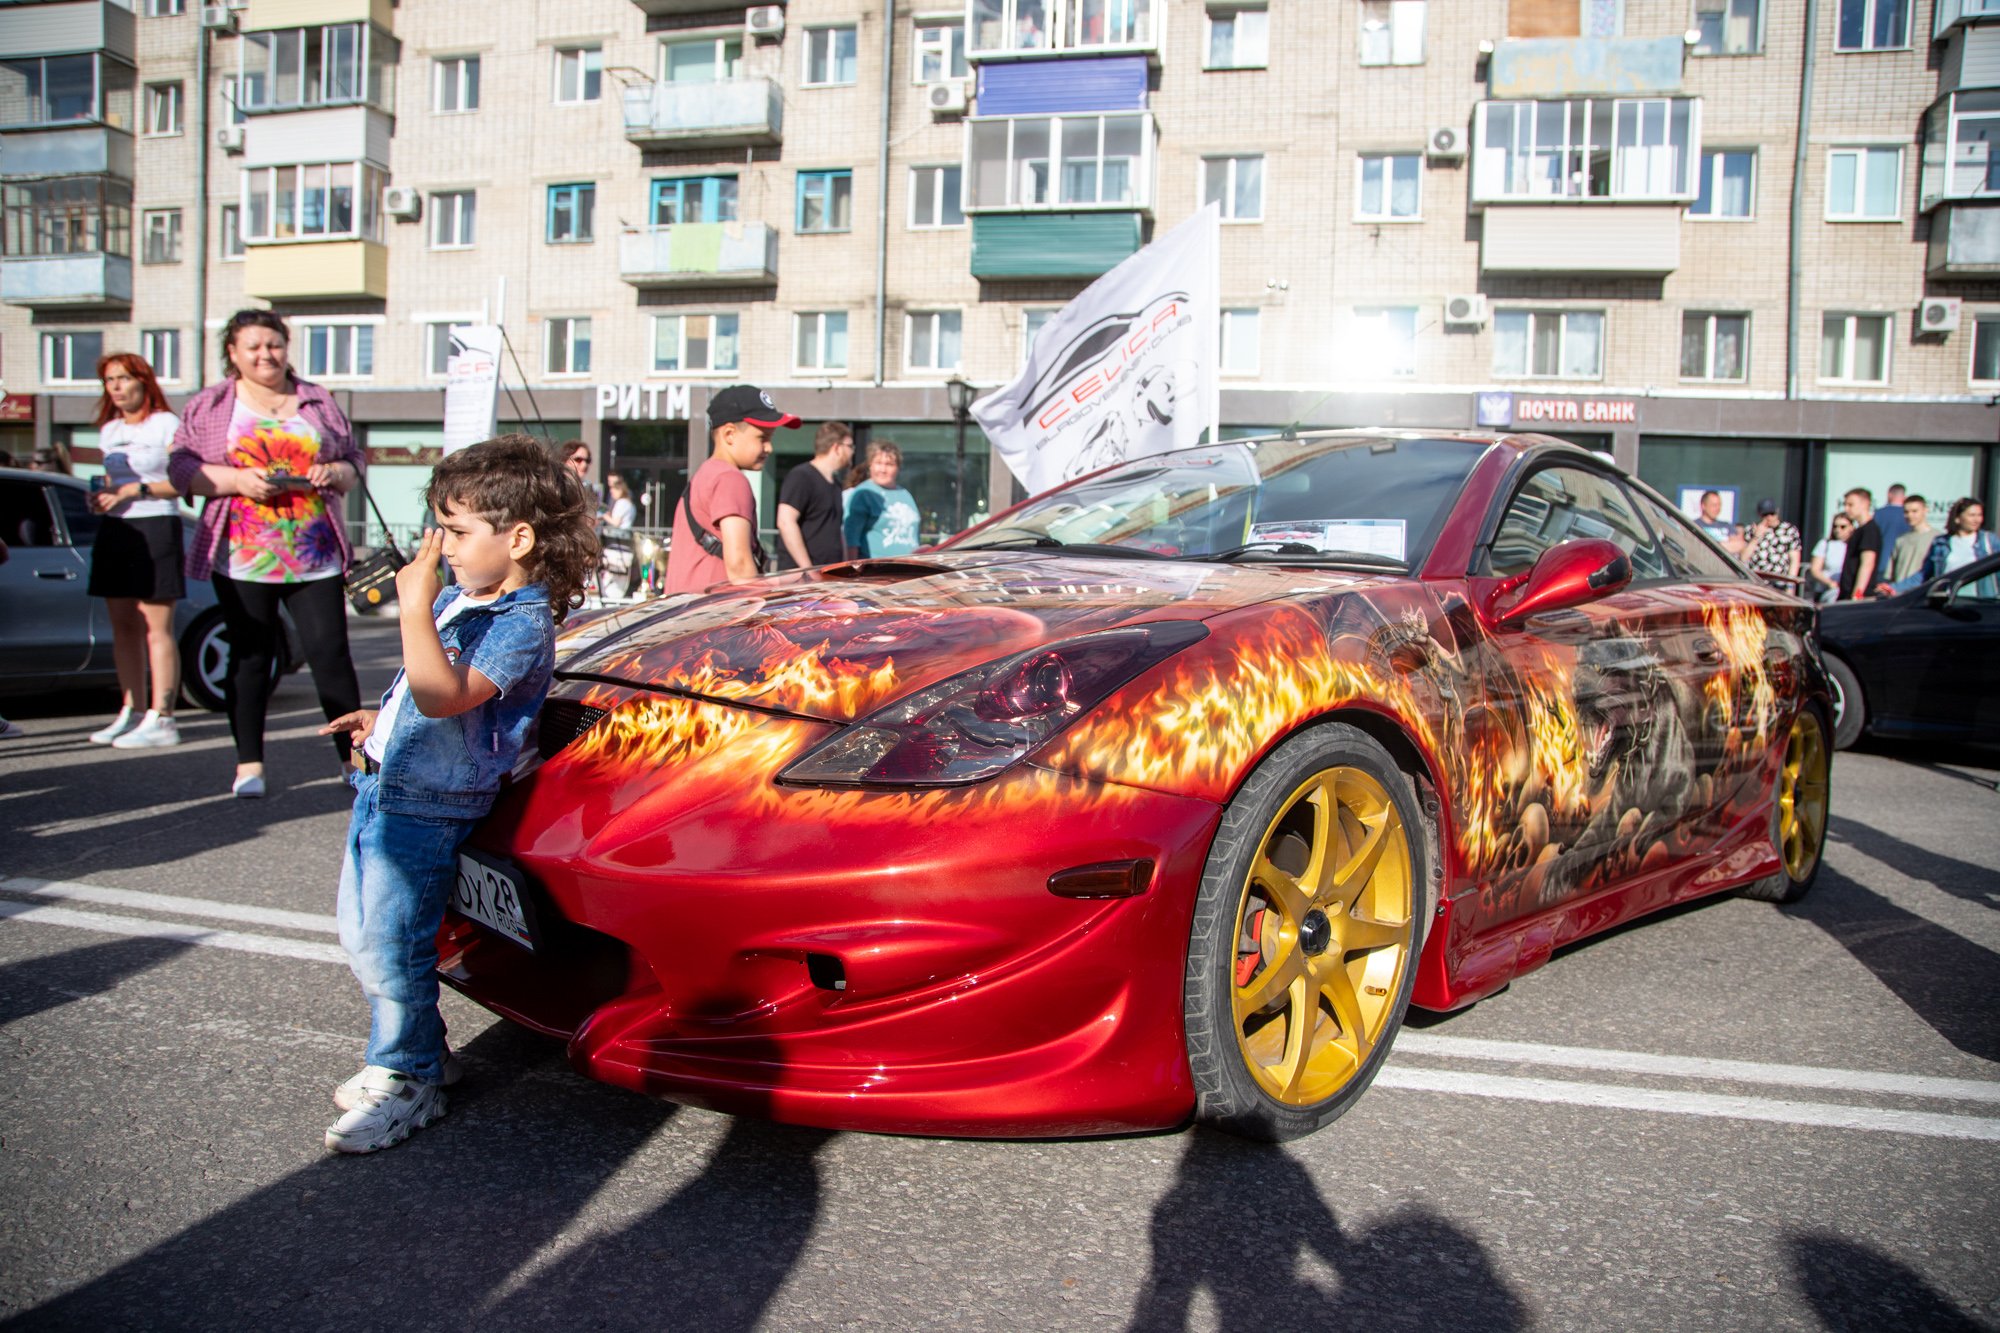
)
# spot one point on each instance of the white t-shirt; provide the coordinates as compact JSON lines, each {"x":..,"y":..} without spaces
{"x":1962,"y":553}
{"x":1833,"y":552}
{"x":377,"y":744}
{"x":139,"y":453}
{"x":623,"y":512}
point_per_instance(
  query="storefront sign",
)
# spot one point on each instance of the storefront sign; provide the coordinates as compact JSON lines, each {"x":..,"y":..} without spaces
{"x":1588,"y":411}
{"x":623,"y":402}
{"x":17,"y":407}
{"x":472,"y":386}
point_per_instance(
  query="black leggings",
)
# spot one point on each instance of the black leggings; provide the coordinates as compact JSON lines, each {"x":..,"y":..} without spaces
{"x":319,"y":613}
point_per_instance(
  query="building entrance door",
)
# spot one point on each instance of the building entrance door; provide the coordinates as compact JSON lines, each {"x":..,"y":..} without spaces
{"x":652,"y":456}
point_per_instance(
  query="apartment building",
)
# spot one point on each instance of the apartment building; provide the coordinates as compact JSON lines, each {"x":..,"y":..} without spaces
{"x":1747,"y":244}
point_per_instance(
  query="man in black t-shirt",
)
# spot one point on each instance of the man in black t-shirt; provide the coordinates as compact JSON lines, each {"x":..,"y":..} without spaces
{"x":809,"y":501}
{"x":1863,"y":566}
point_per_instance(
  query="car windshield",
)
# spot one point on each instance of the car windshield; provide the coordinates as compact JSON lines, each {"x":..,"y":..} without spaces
{"x":1374,"y":500}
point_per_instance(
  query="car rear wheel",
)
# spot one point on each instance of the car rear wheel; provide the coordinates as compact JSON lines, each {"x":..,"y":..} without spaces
{"x":205,"y":660}
{"x":1305,"y":935}
{"x":1850,"y":710}
{"x":1800,"y":832}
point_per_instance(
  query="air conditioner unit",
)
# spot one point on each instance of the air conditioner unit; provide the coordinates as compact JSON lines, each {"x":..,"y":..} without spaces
{"x":229,"y":138}
{"x":947,"y":98}
{"x":218,"y":18}
{"x":1938,"y":314}
{"x":1469,"y":309}
{"x":402,"y":201}
{"x":764,"y":20}
{"x":1447,"y":143}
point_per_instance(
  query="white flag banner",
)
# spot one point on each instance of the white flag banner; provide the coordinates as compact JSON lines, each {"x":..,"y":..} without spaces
{"x":472,"y":385}
{"x":1126,"y":369}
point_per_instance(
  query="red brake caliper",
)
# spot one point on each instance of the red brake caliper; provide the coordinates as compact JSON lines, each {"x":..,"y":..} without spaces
{"x":1250,"y":948}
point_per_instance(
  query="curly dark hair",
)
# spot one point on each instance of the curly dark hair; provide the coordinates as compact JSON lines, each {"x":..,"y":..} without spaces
{"x":513,"y":479}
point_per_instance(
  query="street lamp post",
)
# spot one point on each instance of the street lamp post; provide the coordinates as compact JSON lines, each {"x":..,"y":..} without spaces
{"x":959,"y":393}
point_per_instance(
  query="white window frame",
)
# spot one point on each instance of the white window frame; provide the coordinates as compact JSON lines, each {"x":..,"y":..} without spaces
{"x":1722,"y":7}
{"x":162,"y":350}
{"x":1371,"y":326}
{"x":164,"y":106}
{"x":67,"y":338}
{"x":819,"y":317}
{"x":937,"y":320}
{"x":461,"y":207}
{"x":452,"y":72}
{"x":1361,"y":161}
{"x":1709,"y":171}
{"x":934,"y":37}
{"x":585,"y":57}
{"x":228,"y":90}
{"x":168,"y":220}
{"x":1030,"y":314}
{"x":260,"y":54}
{"x":827,"y":35}
{"x":1535,"y":313}
{"x":1014,"y":176}
{"x":1868,"y":26}
{"x":1848,"y":341}
{"x":720,"y":65}
{"x":678,"y":320}
{"x":434,"y":331}
{"x":1229,"y":345}
{"x":1989,"y":320}
{"x":564,"y":327}
{"x":1860,"y":152}
{"x":1228,"y":163}
{"x":225,"y":232}
{"x":938,"y":178}
{"x":1232,"y":12}
{"x":367,"y":208}
{"x":1709,"y":346}
{"x":165,"y":9}
{"x":1061,"y":27}
{"x":359,"y":335}
{"x":1397,"y":26}
{"x":1515,"y":172}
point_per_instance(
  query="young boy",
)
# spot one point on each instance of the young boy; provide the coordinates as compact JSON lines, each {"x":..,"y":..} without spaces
{"x":519,"y":534}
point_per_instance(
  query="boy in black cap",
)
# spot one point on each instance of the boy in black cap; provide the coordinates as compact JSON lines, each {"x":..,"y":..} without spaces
{"x":715,"y":524}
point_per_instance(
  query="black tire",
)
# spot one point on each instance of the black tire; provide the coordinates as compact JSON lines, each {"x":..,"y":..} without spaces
{"x":1272,"y":806}
{"x":1806,"y":815}
{"x":205,"y":660}
{"x":1850,"y":708}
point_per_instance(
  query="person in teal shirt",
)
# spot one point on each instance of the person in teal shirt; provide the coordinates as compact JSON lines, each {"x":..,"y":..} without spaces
{"x":880,"y":516}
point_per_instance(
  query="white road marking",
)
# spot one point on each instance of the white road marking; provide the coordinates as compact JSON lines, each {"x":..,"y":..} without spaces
{"x":1817,"y":1114}
{"x":1680,"y":1066}
{"x":163,"y":902}
{"x":309,"y":950}
{"x":26,"y":791}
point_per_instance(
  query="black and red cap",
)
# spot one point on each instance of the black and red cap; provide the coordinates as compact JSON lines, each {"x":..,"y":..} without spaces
{"x":746,"y":402}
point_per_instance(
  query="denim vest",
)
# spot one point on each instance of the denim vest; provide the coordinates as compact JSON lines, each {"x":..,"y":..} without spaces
{"x":450,"y":767}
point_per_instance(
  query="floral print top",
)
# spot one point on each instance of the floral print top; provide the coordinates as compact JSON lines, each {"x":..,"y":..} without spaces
{"x":291,"y":537}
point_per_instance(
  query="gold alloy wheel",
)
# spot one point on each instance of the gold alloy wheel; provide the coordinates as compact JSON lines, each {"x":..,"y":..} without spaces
{"x":1323,"y":933}
{"x":1802,"y":796}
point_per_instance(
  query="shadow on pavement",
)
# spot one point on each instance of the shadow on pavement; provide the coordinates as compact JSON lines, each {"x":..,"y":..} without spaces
{"x":1240,"y":1219}
{"x":1853,"y":1287}
{"x":1960,"y":879}
{"x":35,"y":985}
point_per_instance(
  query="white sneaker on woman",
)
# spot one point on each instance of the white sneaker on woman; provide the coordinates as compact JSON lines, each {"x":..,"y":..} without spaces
{"x":154,"y":730}
{"x":121,"y":724}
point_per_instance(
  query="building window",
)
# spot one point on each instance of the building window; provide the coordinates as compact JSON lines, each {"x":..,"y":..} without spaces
{"x":165,"y":9}
{"x":1873,"y":25}
{"x":826,"y":202}
{"x":162,"y":231}
{"x":1727,"y":187}
{"x":1237,"y":183}
{"x":1729,"y":27}
{"x":1096,"y":24}
{"x":934,"y":198}
{"x":437,"y":349}
{"x":1240,"y":339}
{"x":1390,"y":188}
{"x":1102,"y":159}
{"x":1603,"y":148}
{"x":694,"y":199}
{"x":455,"y":83}
{"x":163,"y":109}
{"x":71,"y":358}
{"x":162,"y":350}
{"x":1392,"y":32}
{"x":709,"y":60}
{"x":829,"y":57}
{"x":694,"y":344}
{"x":567,"y":350}
{"x":1714,"y":346}
{"x":66,"y":215}
{"x":1383,"y":341}
{"x":579,"y":75}
{"x":822,"y":340}
{"x":932,"y":339}
{"x":43,"y":89}
{"x":288,"y":68}
{"x":571,"y":212}
{"x":1033,"y":319}
{"x":940,"y":51}
{"x":1864,"y":184}
{"x":1237,"y":39}
{"x":1549,"y":344}
{"x":229,"y":231}
{"x":1013,"y":26}
{"x":1854,"y":349}
{"x":314,"y":202}
{"x":453,"y":213}
{"x":338,"y":351}
{"x":1986,"y":351}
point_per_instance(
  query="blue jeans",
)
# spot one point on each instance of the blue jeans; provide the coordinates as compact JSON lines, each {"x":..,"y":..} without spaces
{"x":394,"y":883}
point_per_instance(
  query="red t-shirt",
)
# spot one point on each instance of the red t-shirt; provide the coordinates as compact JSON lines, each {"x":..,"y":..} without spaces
{"x":718,"y":490}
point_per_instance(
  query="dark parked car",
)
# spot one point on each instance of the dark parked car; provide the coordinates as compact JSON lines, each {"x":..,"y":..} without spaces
{"x":1922,"y":664}
{"x":54,"y":635}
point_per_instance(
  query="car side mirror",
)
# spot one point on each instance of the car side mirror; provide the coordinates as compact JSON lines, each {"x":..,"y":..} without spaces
{"x":1567,"y":575}
{"x":1940,"y":594}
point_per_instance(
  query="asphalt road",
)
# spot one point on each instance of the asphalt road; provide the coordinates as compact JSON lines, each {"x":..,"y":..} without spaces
{"x":1733,"y":1116}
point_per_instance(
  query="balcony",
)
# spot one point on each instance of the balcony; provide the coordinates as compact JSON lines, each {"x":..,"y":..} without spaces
{"x":66,"y":150}
{"x":1036,"y":29}
{"x":1551,"y":67}
{"x":731,"y":114}
{"x":699,"y":254}
{"x":1618,"y":239}
{"x":1953,"y":12}
{"x":658,"y":8}
{"x":55,"y":281}
{"x":1965,"y":241}
{"x":317,"y":271}
{"x":329,"y":134}
{"x":1052,"y":245}
{"x":264,"y":15}
{"x":66,"y":29}
{"x":1592,"y":150}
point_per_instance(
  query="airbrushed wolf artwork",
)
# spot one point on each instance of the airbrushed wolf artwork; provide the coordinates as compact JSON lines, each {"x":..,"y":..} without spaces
{"x":1112,"y":811}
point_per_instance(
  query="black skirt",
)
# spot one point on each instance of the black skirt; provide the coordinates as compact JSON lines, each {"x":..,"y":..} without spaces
{"x":138,"y":557}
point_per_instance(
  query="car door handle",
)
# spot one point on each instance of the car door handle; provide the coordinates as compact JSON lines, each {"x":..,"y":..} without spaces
{"x":55,"y":574}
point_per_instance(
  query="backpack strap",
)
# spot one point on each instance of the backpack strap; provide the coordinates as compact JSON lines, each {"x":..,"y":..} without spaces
{"x":712,"y":544}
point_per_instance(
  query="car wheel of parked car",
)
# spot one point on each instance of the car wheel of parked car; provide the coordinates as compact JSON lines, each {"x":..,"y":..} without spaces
{"x":1305,"y":936}
{"x":205,"y":660}
{"x":1800,"y":819}
{"x":1850,"y":710}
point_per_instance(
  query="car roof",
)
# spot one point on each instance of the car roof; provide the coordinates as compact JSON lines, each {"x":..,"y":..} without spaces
{"x":32,"y":474}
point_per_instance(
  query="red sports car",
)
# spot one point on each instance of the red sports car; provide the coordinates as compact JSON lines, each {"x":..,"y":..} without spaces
{"x":1162,"y":794}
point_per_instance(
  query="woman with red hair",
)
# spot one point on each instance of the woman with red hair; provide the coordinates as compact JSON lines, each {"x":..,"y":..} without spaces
{"x":136,"y":561}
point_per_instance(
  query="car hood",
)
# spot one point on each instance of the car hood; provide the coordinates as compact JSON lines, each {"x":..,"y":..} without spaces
{"x":839,"y":642}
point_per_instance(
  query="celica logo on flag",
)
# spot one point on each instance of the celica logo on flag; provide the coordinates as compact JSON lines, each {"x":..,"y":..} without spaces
{"x":1125,"y":370}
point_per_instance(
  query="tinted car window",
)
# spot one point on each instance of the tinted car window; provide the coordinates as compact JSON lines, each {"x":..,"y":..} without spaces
{"x":1559,"y":504}
{"x":25,"y":519}
{"x":1688,"y":550}
{"x":77,"y":514}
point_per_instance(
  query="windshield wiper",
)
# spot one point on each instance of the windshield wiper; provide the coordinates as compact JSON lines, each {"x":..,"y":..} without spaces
{"x":1041,"y":540}
{"x":1037,"y":539}
{"x":1293,"y":553}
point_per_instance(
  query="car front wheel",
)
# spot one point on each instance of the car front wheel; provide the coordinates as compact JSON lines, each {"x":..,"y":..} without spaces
{"x":1305,"y":935}
{"x":1799,"y":820}
{"x":205,"y":660}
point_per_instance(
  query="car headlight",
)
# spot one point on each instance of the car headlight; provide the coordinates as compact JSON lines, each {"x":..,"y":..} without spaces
{"x":971,"y":726}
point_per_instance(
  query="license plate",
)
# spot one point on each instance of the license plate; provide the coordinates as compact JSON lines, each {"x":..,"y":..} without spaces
{"x":491,"y":892}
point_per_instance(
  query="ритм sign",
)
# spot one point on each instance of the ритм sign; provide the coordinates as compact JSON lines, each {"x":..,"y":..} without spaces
{"x":1588,"y":411}
{"x":621,"y":402}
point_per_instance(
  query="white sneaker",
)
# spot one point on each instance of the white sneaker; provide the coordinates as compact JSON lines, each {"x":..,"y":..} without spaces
{"x":392,"y":1107}
{"x":348,"y":1095}
{"x":121,"y":724}
{"x":249,"y":788}
{"x":154,"y":731}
